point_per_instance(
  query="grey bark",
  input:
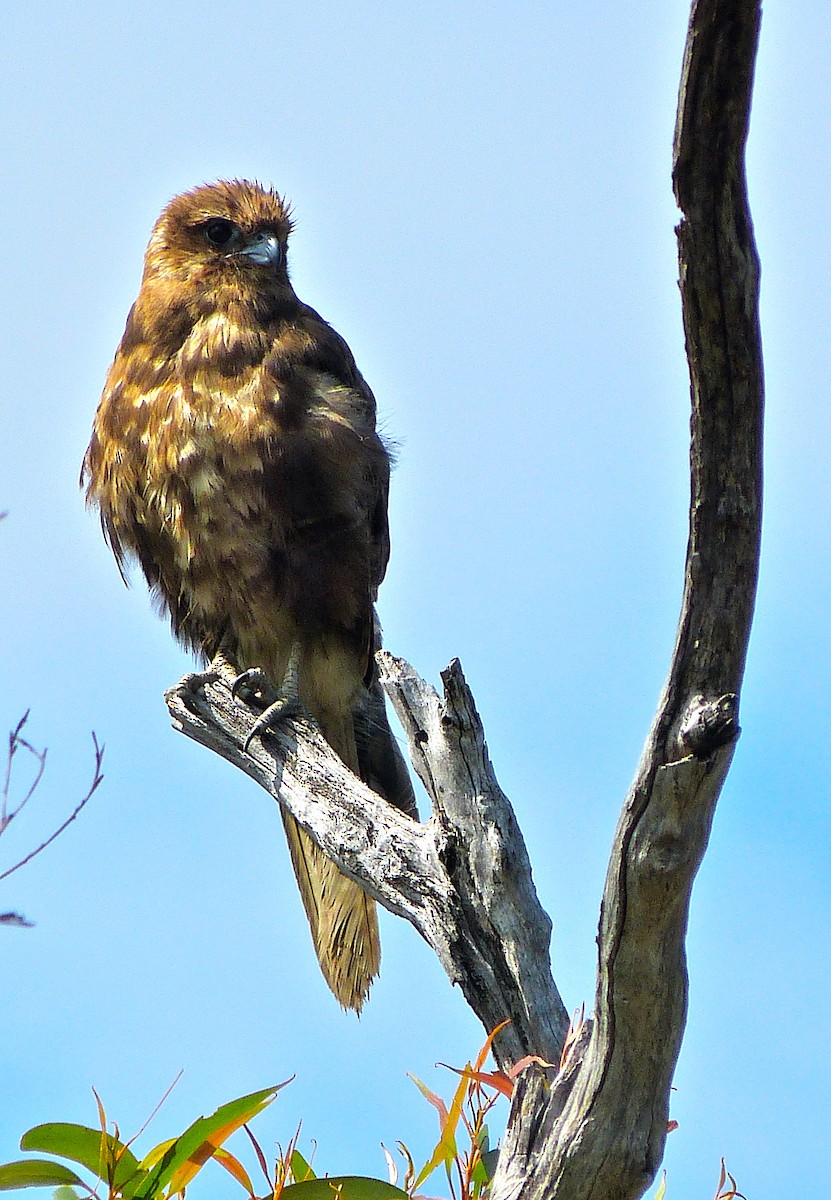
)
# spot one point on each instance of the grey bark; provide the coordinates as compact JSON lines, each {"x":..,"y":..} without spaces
{"x":462,"y":878}
{"x":595,"y":1128}
{"x":607,"y":1139}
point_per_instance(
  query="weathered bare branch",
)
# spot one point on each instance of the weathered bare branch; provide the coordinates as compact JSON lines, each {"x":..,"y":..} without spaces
{"x":461,"y":878}
{"x":608,"y":1140}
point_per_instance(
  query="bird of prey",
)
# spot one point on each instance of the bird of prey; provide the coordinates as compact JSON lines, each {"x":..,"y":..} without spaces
{"x":234,"y":454}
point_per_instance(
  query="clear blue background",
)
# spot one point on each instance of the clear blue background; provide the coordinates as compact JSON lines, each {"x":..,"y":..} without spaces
{"x":484,"y":211}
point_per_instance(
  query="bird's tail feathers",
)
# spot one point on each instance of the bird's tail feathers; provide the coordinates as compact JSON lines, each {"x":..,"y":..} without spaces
{"x":342,"y":917}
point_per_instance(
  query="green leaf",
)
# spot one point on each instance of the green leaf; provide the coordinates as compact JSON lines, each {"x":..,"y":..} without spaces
{"x":89,"y":1147}
{"x":155,"y":1179}
{"x":65,"y":1192}
{"x":300,"y":1169}
{"x":489,"y":1159}
{"x":343,"y":1187}
{"x":196,"y":1145}
{"x":34,"y":1172}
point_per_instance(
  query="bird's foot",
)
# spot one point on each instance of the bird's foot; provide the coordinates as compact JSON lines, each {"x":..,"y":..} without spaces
{"x":194,"y":681}
{"x":254,"y":686}
{"x":285,"y":702}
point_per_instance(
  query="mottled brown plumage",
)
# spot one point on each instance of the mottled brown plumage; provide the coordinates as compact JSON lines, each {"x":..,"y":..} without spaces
{"x":234,"y":454}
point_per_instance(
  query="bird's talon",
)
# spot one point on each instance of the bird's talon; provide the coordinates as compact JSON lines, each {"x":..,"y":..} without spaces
{"x":186,"y":692}
{"x":285,"y":706}
{"x":196,"y":681}
{"x":253,"y":684}
{"x":279,"y":704}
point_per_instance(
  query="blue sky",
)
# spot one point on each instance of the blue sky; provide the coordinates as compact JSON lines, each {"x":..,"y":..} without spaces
{"x":484,"y":211}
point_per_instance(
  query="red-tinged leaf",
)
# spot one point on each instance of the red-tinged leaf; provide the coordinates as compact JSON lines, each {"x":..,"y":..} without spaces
{"x":455,"y":1113}
{"x":485,"y":1051}
{"x":519,"y":1066}
{"x":234,"y":1167}
{"x":445,"y":1151}
{"x":258,"y":1150}
{"x":672,"y":1126}
{"x":495,"y":1079}
{"x":498,"y":1080}
{"x":435,"y":1100}
{"x":101,"y":1153}
{"x":344,"y":1187}
{"x":35,"y":1172}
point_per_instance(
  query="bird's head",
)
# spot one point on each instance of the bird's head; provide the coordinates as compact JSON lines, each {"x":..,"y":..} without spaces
{"x":221,"y":237}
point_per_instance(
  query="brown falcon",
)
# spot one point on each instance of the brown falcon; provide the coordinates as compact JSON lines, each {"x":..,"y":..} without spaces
{"x":234,"y":454}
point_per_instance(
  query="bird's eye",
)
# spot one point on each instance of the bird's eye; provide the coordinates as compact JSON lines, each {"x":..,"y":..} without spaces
{"x":221,"y":232}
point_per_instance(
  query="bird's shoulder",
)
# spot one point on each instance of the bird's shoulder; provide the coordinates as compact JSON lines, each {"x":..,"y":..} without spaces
{"x":329,"y":354}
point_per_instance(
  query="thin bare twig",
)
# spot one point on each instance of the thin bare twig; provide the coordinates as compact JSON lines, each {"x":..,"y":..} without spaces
{"x":14,"y":742}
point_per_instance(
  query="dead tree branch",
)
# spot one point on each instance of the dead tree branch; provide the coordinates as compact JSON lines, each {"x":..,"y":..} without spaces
{"x":462,"y":878}
{"x":608,"y":1140}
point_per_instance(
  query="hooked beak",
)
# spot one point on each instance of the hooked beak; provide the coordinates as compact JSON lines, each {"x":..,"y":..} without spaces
{"x":264,"y":249}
